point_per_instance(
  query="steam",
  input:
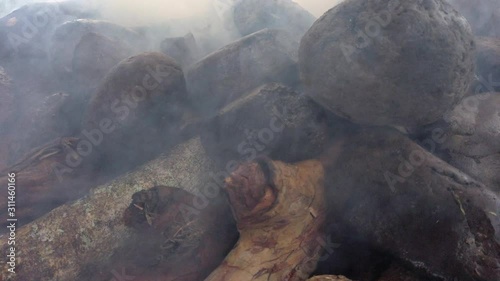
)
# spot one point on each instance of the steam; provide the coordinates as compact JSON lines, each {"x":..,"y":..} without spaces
{"x":318,"y":7}
{"x":139,"y":12}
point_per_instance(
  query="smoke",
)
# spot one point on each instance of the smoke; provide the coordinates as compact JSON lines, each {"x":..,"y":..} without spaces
{"x":139,"y":12}
{"x":7,"y":6}
{"x":318,"y":7}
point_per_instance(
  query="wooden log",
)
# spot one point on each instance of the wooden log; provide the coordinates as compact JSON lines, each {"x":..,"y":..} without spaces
{"x":170,"y":240}
{"x":61,"y":245}
{"x":44,"y":182}
{"x":280,"y":211}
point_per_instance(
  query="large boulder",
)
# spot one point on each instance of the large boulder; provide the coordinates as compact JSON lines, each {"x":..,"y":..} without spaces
{"x":26,"y":31}
{"x":95,"y":55}
{"x":131,"y":116}
{"x":72,"y":35}
{"x":483,"y":15}
{"x":253,"y":15}
{"x":402,"y":63}
{"x":387,"y":190}
{"x":274,"y":121}
{"x":183,"y":49}
{"x":472,"y":138}
{"x":49,"y":120}
{"x":224,"y":76}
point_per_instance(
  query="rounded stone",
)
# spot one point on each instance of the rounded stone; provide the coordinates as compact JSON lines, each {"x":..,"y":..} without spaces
{"x":388,"y":62}
{"x":135,"y":111}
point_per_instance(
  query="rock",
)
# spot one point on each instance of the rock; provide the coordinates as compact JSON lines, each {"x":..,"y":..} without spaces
{"x":42,"y":109}
{"x":387,"y":190}
{"x":483,"y":15}
{"x":488,"y":64}
{"x":472,"y":138}
{"x":172,"y":245}
{"x":273,"y":120}
{"x":253,"y":15}
{"x":183,"y":49}
{"x":77,"y":237}
{"x":89,"y":62}
{"x":26,"y":31}
{"x":136,"y":110}
{"x":48,"y":121}
{"x":400,"y":63}
{"x":70,"y":36}
{"x":95,"y":55}
{"x":226,"y":75}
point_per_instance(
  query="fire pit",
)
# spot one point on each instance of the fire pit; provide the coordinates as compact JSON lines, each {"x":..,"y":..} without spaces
{"x":249,"y":140}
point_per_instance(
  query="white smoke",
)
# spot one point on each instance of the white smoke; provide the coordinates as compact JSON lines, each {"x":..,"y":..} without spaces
{"x":141,"y":12}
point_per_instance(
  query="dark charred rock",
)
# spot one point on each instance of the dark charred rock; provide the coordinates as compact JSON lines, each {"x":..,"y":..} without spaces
{"x":226,"y":75}
{"x":183,"y":49}
{"x":472,"y":138}
{"x":88,"y":63}
{"x":483,"y":15}
{"x":49,"y":121}
{"x":27,"y":31}
{"x":273,"y":120}
{"x":401,"y":63}
{"x":253,"y":15}
{"x":131,"y":116}
{"x":95,"y":55}
{"x":386,"y":189}
{"x":71,"y":35}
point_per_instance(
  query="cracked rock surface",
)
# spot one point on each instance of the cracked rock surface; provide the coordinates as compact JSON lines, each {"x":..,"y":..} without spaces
{"x":473,"y":138}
